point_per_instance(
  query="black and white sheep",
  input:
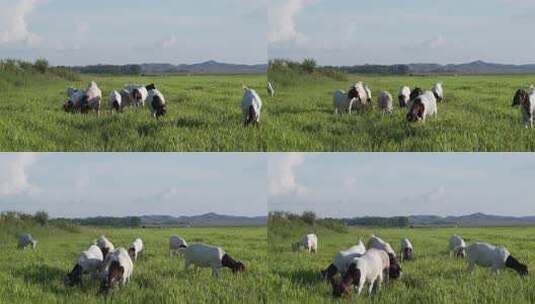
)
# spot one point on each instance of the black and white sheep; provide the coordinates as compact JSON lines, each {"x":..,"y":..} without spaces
{"x":526,"y":101}
{"x":385,"y":102}
{"x":341,"y":102}
{"x":377,"y":243}
{"x":105,"y":245}
{"x":438,"y":91}
{"x":457,"y":246}
{"x":202,"y":255}
{"x":74,"y":100}
{"x":404,"y":96}
{"x":362,"y":95}
{"x":156,"y":102}
{"x":91,"y":99}
{"x":138,"y":94}
{"x":251,"y":107}
{"x":422,"y":107}
{"x":497,"y":258}
{"x":342,"y":260}
{"x":136,"y":248}
{"x":119,"y":270}
{"x":309,"y":242}
{"x":115,"y":101}
{"x":369,"y":268}
{"x":406,"y":250}
{"x":417,"y":92}
{"x":175,"y":243}
{"x":89,"y":262}
{"x":26,"y":241}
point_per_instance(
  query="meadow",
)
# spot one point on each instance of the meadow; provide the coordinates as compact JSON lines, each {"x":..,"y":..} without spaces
{"x":476,"y":116}
{"x":433,"y":277}
{"x":28,"y":276}
{"x":204,"y":114}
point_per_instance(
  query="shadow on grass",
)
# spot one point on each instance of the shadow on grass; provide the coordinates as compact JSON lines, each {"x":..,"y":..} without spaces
{"x":47,"y":277}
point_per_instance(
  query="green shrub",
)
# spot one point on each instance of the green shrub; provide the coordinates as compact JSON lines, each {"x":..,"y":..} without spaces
{"x":41,"y":65}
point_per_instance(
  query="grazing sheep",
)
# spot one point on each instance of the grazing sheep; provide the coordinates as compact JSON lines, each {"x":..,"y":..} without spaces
{"x":138,"y":94}
{"x":175,"y":243}
{"x":156,"y":102}
{"x":126,"y":99}
{"x":423,"y":106}
{"x":342,"y":260}
{"x":105,"y":245}
{"x":404,"y":97}
{"x":362,"y":95}
{"x":377,"y":243}
{"x":92,"y":98}
{"x":115,"y":101}
{"x":526,"y":101}
{"x":120,"y":270}
{"x":368,"y":268}
{"x":26,"y":241}
{"x":457,"y":246}
{"x":74,"y":101}
{"x":251,"y":106}
{"x":486,"y":255}
{"x":135,"y":249}
{"x":438,"y":91}
{"x":385,"y":102}
{"x":270,"y":90}
{"x":417,"y":92}
{"x":89,"y":261}
{"x":406,"y":251}
{"x":342,"y":104}
{"x":202,"y":255}
{"x":309,"y":242}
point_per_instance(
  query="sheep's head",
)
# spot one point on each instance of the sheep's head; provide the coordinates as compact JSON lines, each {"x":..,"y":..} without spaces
{"x":68,"y":106}
{"x":353,"y":93}
{"x":513,"y":263}
{"x":115,"y":274}
{"x":522,"y":99}
{"x":460,"y":252}
{"x":415,"y":93}
{"x":150,"y":87}
{"x":394,"y":270}
{"x":75,"y":276}
{"x":329,"y":273}
{"x":105,"y":251}
{"x":84,"y":104}
{"x":235,"y":266}
{"x":252,"y":116}
{"x":407,"y":253}
{"x":402,"y":101}
{"x":417,"y":111}
{"x":132,"y":252}
{"x":352,"y":276}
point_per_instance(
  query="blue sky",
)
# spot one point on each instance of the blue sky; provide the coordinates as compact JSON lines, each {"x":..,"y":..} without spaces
{"x":378,"y":184}
{"x":344,"y":32}
{"x":134,"y":31}
{"x":90,"y":184}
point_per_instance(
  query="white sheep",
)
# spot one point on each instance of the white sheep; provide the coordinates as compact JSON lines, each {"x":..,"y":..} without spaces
{"x":422,"y":107}
{"x":202,"y":255}
{"x":26,"y":241}
{"x":115,"y":100}
{"x":175,"y":243}
{"x":119,"y":270}
{"x":406,"y":251}
{"x":369,"y":268}
{"x":91,"y":99}
{"x":136,"y":248}
{"x":457,"y":246}
{"x":89,"y":261}
{"x":251,"y":106}
{"x":526,"y":101}
{"x":362,"y":95}
{"x":156,"y":102}
{"x":438,"y":91}
{"x":385,"y":102}
{"x":270,"y":89}
{"x":404,"y":96}
{"x":105,"y":245}
{"x":417,"y":92}
{"x":342,"y":260}
{"x":377,"y":243}
{"x":342,"y":104}
{"x":138,"y":94}
{"x":497,"y":258}
{"x":309,"y":242}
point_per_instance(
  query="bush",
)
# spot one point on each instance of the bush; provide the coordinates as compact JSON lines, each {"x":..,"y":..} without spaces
{"x":41,"y":65}
{"x":309,"y":218}
{"x":309,"y":65}
{"x":41,"y":217}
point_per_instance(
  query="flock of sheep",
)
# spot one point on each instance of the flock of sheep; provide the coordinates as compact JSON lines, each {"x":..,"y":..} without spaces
{"x":84,"y":101}
{"x":375,"y":262}
{"x":113,"y":266}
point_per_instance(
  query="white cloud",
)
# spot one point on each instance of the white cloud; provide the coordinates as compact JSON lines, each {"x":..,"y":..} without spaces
{"x":13,"y":174}
{"x":168,"y":42}
{"x":281,"y":174}
{"x":13,"y":24}
{"x":281,"y":17}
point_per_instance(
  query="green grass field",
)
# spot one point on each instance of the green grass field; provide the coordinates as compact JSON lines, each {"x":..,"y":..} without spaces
{"x":432,"y":277}
{"x":37,"y":276}
{"x":477,"y":116}
{"x":204,"y":114}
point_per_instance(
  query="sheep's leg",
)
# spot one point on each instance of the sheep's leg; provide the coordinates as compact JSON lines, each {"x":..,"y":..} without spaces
{"x":361,"y":286}
{"x":370,"y":287}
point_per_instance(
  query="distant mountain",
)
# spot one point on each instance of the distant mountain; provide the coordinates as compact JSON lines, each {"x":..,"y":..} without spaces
{"x":476,"y":219}
{"x":476,"y":67}
{"x":208,"y":67}
{"x":208,"y":219}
